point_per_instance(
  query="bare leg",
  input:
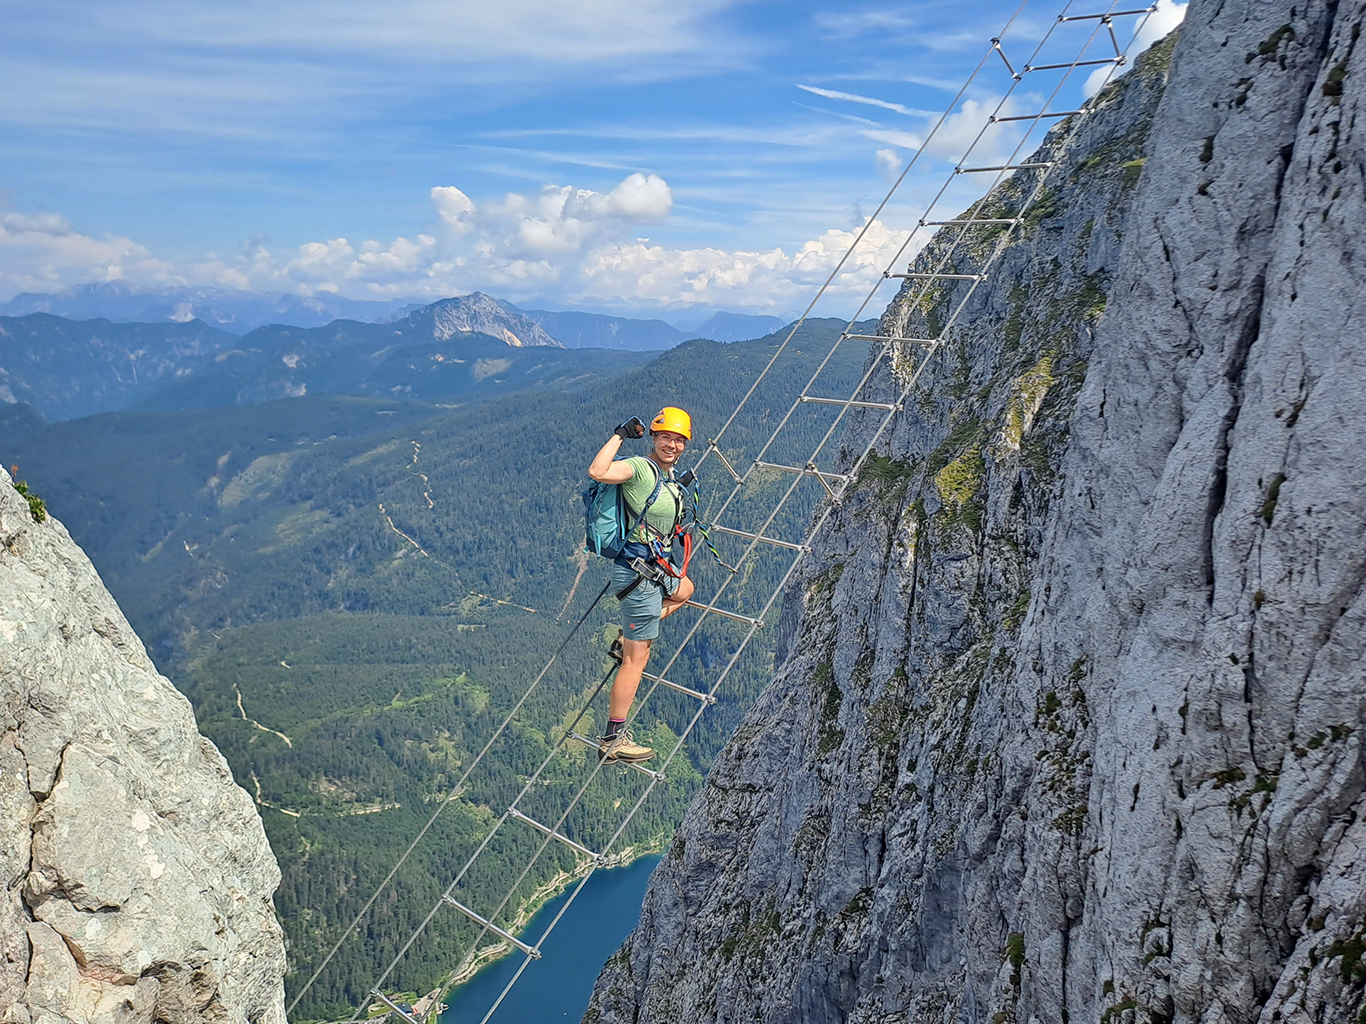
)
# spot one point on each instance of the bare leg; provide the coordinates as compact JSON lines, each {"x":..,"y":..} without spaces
{"x":634,"y":655}
{"x":677,"y":599}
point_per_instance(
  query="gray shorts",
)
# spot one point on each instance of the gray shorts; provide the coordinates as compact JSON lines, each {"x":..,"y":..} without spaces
{"x":640,"y":611}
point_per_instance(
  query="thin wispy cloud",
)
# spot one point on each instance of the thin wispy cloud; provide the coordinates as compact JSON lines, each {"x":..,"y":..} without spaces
{"x":850,"y":97}
{"x":163,"y":130}
{"x":839,"y":114}
{"x":254,"y":70}
{"x":906,"y":140}
{"x":849,"y":23}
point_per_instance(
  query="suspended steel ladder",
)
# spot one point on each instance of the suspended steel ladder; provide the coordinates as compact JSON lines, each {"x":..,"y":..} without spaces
{"x":758,"y":521}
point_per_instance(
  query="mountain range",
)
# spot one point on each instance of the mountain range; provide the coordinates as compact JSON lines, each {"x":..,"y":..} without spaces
{"x":233,"y":311}
{"x":457,"y":347}
{"x":240,"y":312}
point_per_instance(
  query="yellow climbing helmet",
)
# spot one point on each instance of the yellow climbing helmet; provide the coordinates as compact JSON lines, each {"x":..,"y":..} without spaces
{"x":672,"y":419}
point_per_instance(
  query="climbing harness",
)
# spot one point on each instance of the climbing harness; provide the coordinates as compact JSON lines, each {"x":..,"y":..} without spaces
{"x":646,"y":572}
{"x":650,"y":558}
{"x":689,"y":479}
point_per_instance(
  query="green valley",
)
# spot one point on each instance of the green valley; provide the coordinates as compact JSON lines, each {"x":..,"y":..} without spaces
{"x":354,"y":592}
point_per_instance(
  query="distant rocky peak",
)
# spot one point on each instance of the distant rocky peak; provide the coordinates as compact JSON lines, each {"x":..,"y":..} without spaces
{"x":483,"y":314}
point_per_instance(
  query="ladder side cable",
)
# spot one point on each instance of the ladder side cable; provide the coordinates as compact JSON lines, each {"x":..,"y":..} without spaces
{"x":843,"y":481}
{"x":910,"y":384}
{"x":454,"y":793}
{"x":775,"y":594}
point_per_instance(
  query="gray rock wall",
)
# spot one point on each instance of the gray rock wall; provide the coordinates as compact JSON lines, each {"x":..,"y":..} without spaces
{"x":135,"y":877}
{"x":1067,"y":720}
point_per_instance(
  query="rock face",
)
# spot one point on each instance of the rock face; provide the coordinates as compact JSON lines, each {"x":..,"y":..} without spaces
{"x":1068,"y":715}
{"x":136,"y":878}
{"x":482,"y":313}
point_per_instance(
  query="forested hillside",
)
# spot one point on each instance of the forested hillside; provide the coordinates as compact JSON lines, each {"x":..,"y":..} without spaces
{"x":67,"y":368}
{"x":354,"y":592}
{"x":447,"y":351}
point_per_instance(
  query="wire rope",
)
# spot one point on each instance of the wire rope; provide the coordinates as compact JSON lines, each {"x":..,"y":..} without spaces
{"x":828,"y":506}
{"x":450,"y":798}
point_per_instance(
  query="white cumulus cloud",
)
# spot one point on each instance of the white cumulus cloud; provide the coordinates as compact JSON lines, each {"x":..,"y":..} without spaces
{"x":453,"y":207}
{"x":559,"y":219}
{"x":563,"y":243}
{"x":776,"y":279}
{"x":573,"y":243}
{"x":44,"y":253}
{"x":888,"y":163}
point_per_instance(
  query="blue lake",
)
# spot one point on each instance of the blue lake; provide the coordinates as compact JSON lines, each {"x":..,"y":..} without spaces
{"x":555,"y":988}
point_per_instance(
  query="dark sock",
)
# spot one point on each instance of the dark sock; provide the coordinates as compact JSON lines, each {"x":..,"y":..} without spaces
{"x":613,"y":727}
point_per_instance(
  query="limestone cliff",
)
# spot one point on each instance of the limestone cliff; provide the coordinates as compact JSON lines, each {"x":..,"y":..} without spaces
{"x":135,"y":877}
{"x":1068,"y":714}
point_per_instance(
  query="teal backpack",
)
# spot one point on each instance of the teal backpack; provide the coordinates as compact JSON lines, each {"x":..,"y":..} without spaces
{"x":607,"y":520}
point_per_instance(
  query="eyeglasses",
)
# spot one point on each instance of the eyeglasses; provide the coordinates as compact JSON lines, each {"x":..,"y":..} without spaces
{"x":672,"y":442}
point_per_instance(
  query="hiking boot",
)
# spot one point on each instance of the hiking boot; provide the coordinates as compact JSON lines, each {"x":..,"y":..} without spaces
{"x":622,"y":748}
{"x":615,"y":651}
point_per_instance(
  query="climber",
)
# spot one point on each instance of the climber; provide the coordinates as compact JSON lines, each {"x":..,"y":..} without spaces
{"x":645,"y":577}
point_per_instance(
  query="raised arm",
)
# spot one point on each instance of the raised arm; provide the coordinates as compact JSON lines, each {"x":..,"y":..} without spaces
{"x":604,"y":470}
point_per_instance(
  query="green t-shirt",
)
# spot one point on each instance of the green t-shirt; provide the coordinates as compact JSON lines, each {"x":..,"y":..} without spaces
{"x":664,"y":512}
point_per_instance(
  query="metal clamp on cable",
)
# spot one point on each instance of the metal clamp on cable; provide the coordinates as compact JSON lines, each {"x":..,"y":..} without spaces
{"x":644,"y":571}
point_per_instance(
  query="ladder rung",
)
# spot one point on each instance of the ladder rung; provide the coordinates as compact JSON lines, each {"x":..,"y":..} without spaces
{"x":547,"y":830}
{"x":506,"y":936}
{"x":706,"y":698}
{"x":1078,"y":64}
{"x":887,"y":338}
{"x":1034,"y":117}
{"x":969,"y":220}
{"x":759,"y":537}
{"x":393,"y":1006}
{"x":938,"y":277}
{"x":657,"y":776}
{"x":889,"y":406}
{"x":725,"y":614}
{"x":804,"y":471}
{"x":1104,"y":17}
{"x":1003,"y":167}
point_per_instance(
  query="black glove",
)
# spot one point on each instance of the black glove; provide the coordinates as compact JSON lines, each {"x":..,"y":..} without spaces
{"x":630,"y":430}
{"x":687,"y":478}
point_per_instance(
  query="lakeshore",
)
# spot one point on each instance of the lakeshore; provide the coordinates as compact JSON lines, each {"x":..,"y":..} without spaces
{"x":555,"y":888}
{"x":557,"y":986}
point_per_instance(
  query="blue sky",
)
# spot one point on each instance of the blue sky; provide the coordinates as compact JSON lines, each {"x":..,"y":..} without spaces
{"x":633,"y":155}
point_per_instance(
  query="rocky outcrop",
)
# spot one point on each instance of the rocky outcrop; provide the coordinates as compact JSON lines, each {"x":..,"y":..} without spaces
{"x":1068,"y":715}
{"x":480,"y":313}
{"x":135,"y":877}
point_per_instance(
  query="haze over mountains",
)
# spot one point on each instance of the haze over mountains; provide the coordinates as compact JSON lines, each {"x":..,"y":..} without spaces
{"x":233,"y":311}
{"x":462,"y":346}
{"x":239,"y":312}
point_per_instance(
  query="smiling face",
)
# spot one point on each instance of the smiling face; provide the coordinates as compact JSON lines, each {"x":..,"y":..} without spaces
{"x":668,"y":447}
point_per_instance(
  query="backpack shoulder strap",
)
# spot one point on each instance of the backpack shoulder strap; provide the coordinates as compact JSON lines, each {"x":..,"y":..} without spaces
{"x":654,"y":495}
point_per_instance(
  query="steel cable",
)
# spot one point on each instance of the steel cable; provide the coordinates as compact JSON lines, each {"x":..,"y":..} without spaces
{"x":815,"y":527}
